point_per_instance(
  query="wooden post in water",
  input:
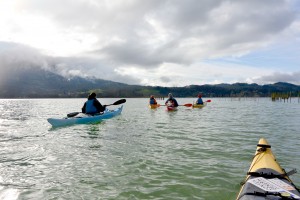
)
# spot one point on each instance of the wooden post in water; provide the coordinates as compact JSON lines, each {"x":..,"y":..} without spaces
{"x":282,"y":96}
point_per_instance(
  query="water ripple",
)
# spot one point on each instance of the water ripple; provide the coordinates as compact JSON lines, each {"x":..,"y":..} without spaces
{"x":141,"y":154}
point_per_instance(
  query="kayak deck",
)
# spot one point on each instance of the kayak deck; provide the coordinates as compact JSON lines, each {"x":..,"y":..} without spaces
{"x":85,"y":119}
{"x":199,"y":105}
{"x":153,"y":106}
{"x":266,"y":179}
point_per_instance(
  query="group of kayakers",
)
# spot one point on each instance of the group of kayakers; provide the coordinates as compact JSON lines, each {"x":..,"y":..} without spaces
{"x":171,"y":101}
{"x":93,"y":106}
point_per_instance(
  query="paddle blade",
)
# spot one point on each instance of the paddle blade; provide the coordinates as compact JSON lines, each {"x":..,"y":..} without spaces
{"x":73,"y":114}
{"x":188,"y":105}
{"x":119,"y":102}
{"x":208,"y":100}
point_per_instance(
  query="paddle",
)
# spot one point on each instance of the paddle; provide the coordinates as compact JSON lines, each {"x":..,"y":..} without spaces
{"x":207,"y":101}
{"x":118,"y":102}
{"x":73,"y":114}
{"x":186,"y":105}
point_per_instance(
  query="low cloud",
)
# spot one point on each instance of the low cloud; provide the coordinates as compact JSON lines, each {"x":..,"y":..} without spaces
{"x":279,"y":77}
{"x":165,"y":79}
{"x":15,"y":58}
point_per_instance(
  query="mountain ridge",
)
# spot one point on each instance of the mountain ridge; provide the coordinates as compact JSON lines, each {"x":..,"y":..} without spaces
{"x":40,"y":83}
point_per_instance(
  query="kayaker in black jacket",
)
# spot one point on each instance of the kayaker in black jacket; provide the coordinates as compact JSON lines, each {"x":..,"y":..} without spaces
{"x":92,"y":105}
{"x":172,"y":100}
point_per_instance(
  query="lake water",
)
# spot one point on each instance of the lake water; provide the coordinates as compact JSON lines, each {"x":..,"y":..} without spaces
{"x":143,"y":153}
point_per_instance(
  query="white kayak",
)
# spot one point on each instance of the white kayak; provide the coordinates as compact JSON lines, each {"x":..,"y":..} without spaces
{"x":85,"y":118}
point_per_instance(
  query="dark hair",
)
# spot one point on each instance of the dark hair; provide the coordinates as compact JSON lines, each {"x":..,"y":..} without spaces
{"x":92,"y":95}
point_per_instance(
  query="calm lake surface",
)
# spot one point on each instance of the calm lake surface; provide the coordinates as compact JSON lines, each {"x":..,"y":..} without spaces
{"x":141,"y":154}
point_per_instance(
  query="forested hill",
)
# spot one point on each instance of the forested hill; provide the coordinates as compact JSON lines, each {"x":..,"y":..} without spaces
{"x":44,"y":84}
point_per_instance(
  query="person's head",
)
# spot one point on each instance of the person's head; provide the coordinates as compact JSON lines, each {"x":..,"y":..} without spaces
{"x":92,"y":95}
{"x":170,"y":95}
{"x":199,"y":95}
{"x":152,"y":97}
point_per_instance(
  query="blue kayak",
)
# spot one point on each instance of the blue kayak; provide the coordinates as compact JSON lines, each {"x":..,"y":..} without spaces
{"x":85,"y":118}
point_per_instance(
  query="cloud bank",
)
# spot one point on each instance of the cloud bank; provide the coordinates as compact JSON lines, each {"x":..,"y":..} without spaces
{"x":159,"y":42}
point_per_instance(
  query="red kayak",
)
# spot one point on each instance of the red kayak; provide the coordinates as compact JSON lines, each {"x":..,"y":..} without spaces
{"x":171,"y":108}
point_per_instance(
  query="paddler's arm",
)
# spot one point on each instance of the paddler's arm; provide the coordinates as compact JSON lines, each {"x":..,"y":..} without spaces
{"x":99,"y":106}
{"x":83,"y":108}
{"x":167,"y":101}
{"x":175,"y":103}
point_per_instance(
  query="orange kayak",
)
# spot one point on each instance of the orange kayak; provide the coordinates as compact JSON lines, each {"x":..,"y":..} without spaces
{"x":153,"y":106}
{"x":199,"y":105}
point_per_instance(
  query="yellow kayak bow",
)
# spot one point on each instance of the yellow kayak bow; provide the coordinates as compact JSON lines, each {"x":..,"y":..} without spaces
{"x":266,"y":179}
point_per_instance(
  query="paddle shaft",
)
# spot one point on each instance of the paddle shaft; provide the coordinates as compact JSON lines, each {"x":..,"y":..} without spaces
{"x":186,"y":105}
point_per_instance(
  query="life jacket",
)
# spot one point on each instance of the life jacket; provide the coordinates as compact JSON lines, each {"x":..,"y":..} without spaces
{"x":90,"y":108}
{"x":199,"y":101}
{"x":152,"y":101}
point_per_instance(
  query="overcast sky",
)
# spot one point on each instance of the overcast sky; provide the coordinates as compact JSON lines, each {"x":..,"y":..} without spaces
{"x":155,"y":42}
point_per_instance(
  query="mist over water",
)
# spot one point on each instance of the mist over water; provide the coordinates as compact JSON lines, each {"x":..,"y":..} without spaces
{"x":143,"y":153}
